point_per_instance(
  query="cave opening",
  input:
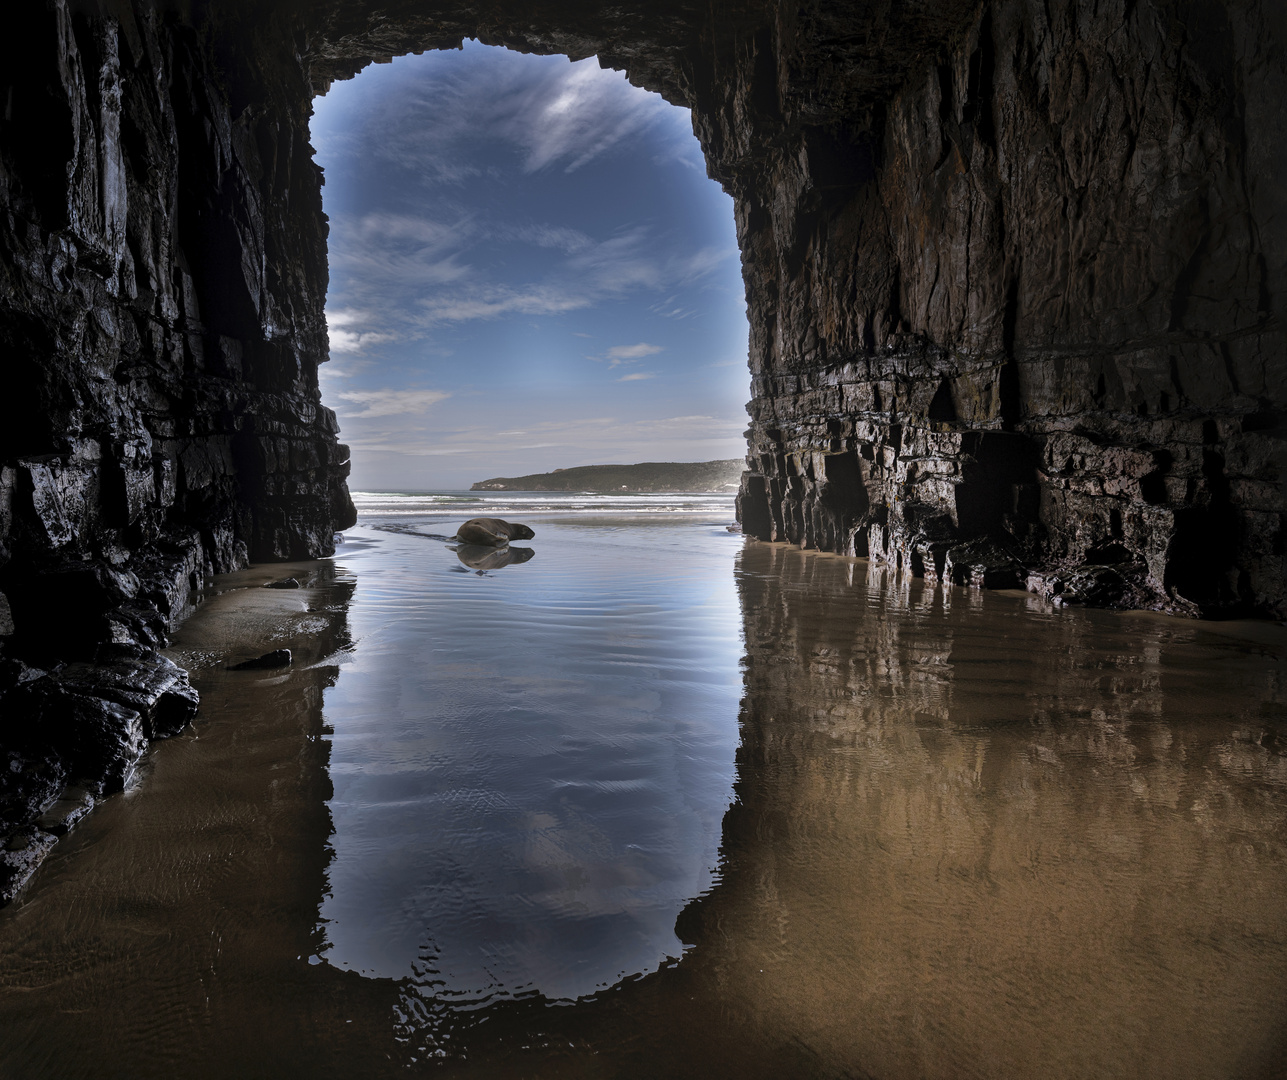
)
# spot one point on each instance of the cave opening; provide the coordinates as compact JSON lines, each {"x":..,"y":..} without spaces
{"x":1013,"y":274}
{"x":529,"y":271}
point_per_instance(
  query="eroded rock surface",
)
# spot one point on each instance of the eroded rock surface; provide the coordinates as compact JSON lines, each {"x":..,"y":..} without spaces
{"x":1046,"y":319}
{"x":1014,"y":276}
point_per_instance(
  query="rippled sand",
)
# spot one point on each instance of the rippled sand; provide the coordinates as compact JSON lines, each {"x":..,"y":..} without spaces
{"x":968,"y":836}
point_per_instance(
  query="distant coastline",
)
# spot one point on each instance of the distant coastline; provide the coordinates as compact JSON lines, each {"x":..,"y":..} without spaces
{"x":645,"y":476}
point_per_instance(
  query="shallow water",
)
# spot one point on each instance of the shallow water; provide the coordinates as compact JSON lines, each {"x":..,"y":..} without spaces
{"x":530,"y":764}
{"x":658,"y":803}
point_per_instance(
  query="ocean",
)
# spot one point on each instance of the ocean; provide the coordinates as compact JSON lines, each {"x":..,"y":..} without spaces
{"x":374,"y":506}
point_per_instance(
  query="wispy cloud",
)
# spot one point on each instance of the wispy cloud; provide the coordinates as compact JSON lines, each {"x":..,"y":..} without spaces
{"x":344,"y":328}
{"x":552,"y":115}
{"x":579,"y":114}
{"x":672,"y":308}
{"x":589,"y":438}
{"x":389,"y":401}
{"x":634,"y":376}
{"x":633,"y":352}
{"x":557,"y":237}
{"x":490,"y":302}
{"x":403,"y":276}
{"x":628,"y":354}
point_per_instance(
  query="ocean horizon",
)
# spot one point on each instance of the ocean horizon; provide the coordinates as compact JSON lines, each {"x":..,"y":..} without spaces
{"x":447,"y":503}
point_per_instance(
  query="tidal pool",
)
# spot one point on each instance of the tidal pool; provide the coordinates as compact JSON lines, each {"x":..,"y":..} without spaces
{"x":654,"y":801}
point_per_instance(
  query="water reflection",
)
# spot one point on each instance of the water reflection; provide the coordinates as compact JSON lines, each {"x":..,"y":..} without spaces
{"x":971,"y":836}
{"x":483,"y":558}
{"x":976,"y":837}
{"x":169,"y":934}
{"x":529,"y":780}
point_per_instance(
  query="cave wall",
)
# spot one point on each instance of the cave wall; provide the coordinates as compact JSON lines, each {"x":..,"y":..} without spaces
{"x":162,"y":281}
{"x":163,"y":272}
{"x":1022,"y":325}
{"x":1014,"y":272}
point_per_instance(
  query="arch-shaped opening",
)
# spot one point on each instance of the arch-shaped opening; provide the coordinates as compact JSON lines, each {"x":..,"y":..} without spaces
{"x":529,"y":271}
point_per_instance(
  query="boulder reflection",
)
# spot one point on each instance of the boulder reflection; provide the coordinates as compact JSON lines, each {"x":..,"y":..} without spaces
{"x":483,"y":558}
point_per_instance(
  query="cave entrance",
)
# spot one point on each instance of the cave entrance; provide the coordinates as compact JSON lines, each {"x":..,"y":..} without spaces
{"x":529,"y":270}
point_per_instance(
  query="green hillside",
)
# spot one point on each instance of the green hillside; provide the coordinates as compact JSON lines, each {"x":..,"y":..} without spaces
{"x":646,"y":476}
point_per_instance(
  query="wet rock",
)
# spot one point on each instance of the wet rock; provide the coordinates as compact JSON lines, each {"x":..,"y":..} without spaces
{"x":1123,"y":585}
{"x":152,"y":685}
{"x":20,"y":856}
{"x":275,"y":659}
{"x":283,"y":583}
{"x":98,"y":737}
{"x":29,"y":785}
{"x":67,"y":812}
{"x":92,"y":736}
{"x":984,"y":565}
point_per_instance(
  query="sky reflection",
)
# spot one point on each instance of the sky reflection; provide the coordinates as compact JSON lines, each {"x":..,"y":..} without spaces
{"x":531,"y":766}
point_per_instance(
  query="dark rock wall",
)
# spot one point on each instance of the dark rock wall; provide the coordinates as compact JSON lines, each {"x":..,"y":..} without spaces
{"x":162,"y":279}
{"x":163,"y":272}
{"x":1020,"y":323}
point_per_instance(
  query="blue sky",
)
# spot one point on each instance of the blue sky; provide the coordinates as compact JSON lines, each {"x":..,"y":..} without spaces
{"x":530,"y":270}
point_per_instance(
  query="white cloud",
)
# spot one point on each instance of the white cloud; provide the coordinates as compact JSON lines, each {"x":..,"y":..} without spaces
{"x":344,"y":328}
{"x":701,"y":262}
{"x":337,"y":320}
{"x":470,"y":451}
{"x":628,"y":354}
{"x":671,"y":308}
{"x":579,"y":114}
{"x":632,"y":352}
{"x":636,"y":375}
{"x":489,"y":302}
{"x":389,"y":401}
{"x":558,"y":237}
{"x":553,"y":115}
{"x":390,"y":253}
{"x":346,"y":341}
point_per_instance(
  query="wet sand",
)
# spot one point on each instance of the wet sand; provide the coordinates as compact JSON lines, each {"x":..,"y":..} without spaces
{"x":971,"y":836}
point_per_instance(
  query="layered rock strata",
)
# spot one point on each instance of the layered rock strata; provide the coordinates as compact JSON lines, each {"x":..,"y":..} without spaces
{"x":1014,"y":275}
{"x":1038,"y":340}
